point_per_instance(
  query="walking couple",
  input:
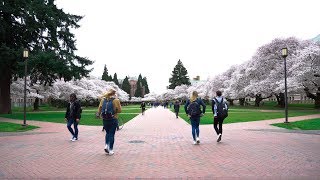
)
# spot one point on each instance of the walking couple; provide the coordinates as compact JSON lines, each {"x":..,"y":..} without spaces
{"x":194,"y":112}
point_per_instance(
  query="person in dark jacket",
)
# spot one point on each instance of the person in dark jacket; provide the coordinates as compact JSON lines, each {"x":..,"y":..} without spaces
{"x":73,"y":115}
{"x":218,"y":120}
{"x":143,"y":107}
{"x":176,"y":108}
{"x":195,"y":119}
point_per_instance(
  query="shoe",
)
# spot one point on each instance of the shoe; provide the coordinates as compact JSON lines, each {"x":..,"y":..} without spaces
{"x":106,"y":148}
{"x":71,"y":139}
{"x":111,"y":152}
{"x":194,"y":142}
{"x":74,"y":139}
{"x":219,"y":138}
{"x":198,"y":140}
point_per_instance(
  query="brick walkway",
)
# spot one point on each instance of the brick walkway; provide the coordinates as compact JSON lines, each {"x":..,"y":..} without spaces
{"x":158,"y":145}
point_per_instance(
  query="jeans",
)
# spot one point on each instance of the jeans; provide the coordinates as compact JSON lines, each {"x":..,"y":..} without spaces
{"x":217,"y":121}
{"x":75,"y":125}
{"x":195,"y":121}
{"x":110,"y":126}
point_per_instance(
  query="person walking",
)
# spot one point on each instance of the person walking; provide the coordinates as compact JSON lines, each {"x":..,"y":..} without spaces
{"x":220,"y":112}
{"x":176,"y":108}
{"x":193,"y":110}
{"x":108,"y":109}
{"x":143,"y":107}
{"x":73,"y":115}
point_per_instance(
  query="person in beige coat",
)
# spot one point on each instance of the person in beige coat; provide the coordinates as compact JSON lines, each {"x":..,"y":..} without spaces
{"x":108,"y":109}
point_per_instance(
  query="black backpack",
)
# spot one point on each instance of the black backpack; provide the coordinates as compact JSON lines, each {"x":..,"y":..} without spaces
{"x":194,"y":109}
{"x":222,"y":111}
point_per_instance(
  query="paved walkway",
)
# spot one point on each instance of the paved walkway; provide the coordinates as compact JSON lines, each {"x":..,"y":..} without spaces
{"x":157,"y":145}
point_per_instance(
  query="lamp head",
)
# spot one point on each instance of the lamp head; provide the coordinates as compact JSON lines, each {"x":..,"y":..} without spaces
{"x":284,"y":52}
{"x":25,"y":53}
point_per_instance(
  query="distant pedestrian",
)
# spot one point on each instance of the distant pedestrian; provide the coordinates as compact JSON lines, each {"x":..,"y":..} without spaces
{"x":73,"y":115}
{"x":109,"y":108}
{"x":143,"y":107}
{"x":220,"y":112}
{"x":193,"y":109}
{"x":176,"y":108}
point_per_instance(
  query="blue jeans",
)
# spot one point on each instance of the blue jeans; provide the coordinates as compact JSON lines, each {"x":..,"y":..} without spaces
{"x":195,"y":121}
{"x":75,"y":125}
{"x":110,"y":126}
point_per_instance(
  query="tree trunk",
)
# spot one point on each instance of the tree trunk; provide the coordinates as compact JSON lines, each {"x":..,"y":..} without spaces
{"x":5,"y":100}
{"x":315,"y":97}
{"x":241,"y":101}
{"x":280,"y":100}
{"x":317,"y":100}
{"x":36,"y":103}
{"x":258,"y":100}
{"x":230,"y":102}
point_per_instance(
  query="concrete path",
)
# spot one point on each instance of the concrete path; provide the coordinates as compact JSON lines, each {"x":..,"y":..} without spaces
{"x":157,"y":145}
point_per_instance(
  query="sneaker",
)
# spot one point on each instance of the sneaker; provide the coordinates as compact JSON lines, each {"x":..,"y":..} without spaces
{"x":74,"y":139}
{"x":198,"y":140}
{"x":194,"y":142}
{"x":219,"y":138}
{"x":111,"y":152}
{"x":71,"y":139}
{"x":106,"y":148}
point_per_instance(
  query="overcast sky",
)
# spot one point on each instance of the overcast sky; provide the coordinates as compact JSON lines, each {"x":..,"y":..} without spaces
{"x":149,"y":37}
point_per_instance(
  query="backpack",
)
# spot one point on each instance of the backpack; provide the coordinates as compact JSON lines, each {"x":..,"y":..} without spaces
{"x":222,"y":111}
{"x":194,"y":109}
{"x":107,"y":109}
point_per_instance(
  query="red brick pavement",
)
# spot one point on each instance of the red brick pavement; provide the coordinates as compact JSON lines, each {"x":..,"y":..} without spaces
{"x":248,"y":150}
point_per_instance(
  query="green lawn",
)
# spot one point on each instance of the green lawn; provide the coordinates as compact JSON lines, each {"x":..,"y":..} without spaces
{"x":12,"y":127}
{"x":241,"y":114}
{"x":87,"y":116}
{"x":312,"y":124}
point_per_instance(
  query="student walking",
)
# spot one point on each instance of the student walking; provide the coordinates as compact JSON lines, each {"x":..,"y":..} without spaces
{"x":143,"y":107}
{"x":73,"y":115}
{"x":176,"y":108}
{"x":109,"y":108}
{"x":193,"y":109}
{"x":220,"y":112}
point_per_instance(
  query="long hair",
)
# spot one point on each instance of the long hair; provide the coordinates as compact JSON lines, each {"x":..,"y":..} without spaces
{"x":194,"y":96}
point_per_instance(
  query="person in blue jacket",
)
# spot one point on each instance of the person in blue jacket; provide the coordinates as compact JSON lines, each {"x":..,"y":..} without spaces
{"x":194,"y":112}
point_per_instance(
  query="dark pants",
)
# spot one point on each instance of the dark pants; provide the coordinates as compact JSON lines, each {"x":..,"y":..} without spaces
{"x":75,"y":125}
{"x":217,"y":121}
{"x":195,"y":121}
{"x":143,"y":110}
{"x":110,"y":126}
{"x":177,"y":113}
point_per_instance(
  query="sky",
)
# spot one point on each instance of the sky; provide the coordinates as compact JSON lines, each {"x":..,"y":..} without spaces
{"x":208,"y":36}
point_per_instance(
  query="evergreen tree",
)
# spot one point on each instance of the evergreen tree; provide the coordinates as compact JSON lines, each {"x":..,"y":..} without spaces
{"x":138,"y":92}
{"x":45,"y":30}
{"x":105,"y":74}
{"x":110,"y":78}
{"x":146,"y":86}
{"x":115,"y":79}
{"x":179,"y":76}
{"x":126,"y":85}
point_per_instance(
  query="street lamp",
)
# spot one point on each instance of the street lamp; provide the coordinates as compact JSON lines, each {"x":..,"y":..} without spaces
{"x":25,"y":57}
{"x":284,"y":54}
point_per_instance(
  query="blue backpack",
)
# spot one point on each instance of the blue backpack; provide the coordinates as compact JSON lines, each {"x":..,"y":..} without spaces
{"x":107,"y":109}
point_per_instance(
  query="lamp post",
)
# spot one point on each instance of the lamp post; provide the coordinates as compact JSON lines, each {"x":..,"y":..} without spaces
{"x":284,"y":54}
{"x":25,"y":57}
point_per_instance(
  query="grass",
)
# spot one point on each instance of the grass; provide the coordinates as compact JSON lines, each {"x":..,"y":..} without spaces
{"x":241,"y":114}
{"x":236,"y":113}
{"x":12,"y":127}
{"x":312,"y":124}
{"x":49,"y":114}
